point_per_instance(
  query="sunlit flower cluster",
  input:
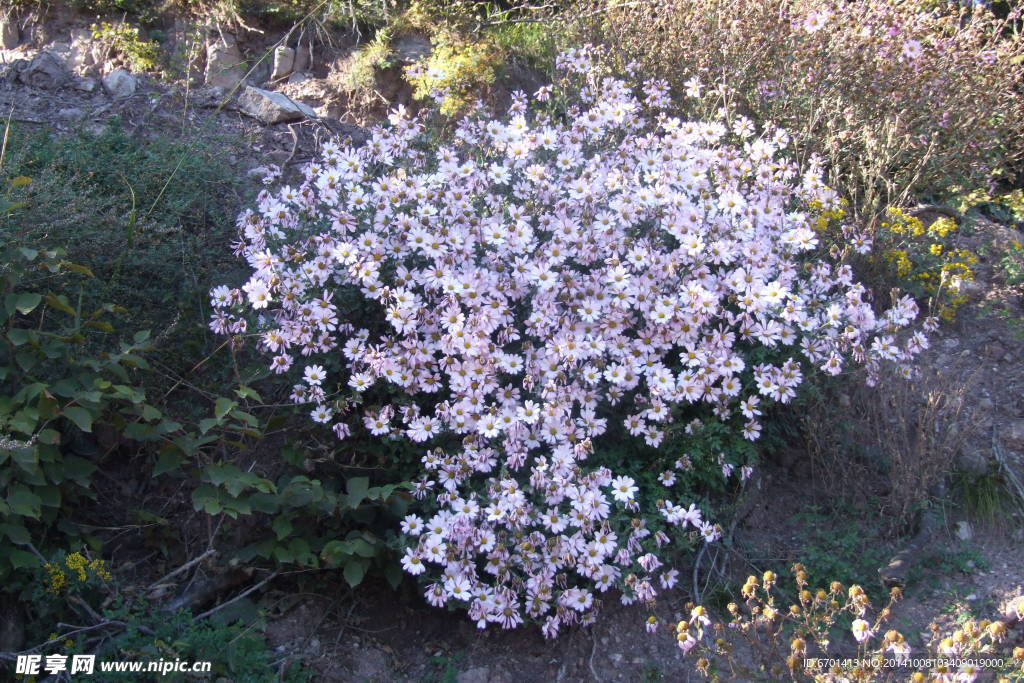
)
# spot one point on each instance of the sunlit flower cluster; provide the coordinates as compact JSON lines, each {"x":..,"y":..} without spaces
{"x":536,"y":277}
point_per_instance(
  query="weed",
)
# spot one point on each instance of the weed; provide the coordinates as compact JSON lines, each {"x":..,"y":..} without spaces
{"x":841,"y":544}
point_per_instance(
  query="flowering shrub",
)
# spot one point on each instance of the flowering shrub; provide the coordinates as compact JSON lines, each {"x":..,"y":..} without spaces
{"x":925,"y":259}
{"x":899,"y":98}
{"x":797,"y":640}
{"x":508,"y":292}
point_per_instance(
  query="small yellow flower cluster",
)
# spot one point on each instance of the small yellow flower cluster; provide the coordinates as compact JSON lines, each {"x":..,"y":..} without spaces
{"x":921,"y":256}
{"x":56,"y":579}
{"x":821,"y":222}
{"x":76,"y":562}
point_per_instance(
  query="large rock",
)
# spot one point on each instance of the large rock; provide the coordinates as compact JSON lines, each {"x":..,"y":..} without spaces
{"x":411,"y":48}
{"x":272,"y":107}
{"x":225,"y":67}
{"x":45,"y":71}
{"x":284,"y":62}
{"x":120,"y":83}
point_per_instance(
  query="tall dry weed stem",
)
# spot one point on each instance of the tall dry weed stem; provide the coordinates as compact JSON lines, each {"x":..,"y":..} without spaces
{"x":901,"y":98}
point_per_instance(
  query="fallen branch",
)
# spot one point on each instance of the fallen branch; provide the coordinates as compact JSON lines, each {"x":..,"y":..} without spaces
{"x":188,"y":565}
{"x":238,"y":597}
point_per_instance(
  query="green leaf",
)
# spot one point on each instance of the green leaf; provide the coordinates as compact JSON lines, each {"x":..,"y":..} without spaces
{"x":16,"y":532}
{"x":18,"y":336}
{"x":170,"y":459}
{"x":223,"y":407}
{"x":393,"y":573}
{"x":59,"y":302}
{"x":248,"y":392}
{"x":362,"y":548}
{"x":355,"y":570}
{"x":78,"y":468}
{"x":80,"y":416}
{"x":26,"y":359}
{"x":335,"y":552}
{"x":81,"y":270}
{"x":24,"y":502}
{"x":282,"y":526}
{"x":357,"y":489}
{"x":22,"y":558}
{"x":208,"y":424}
{"x":25,"y":421}
{"x":49,"y":436}
{"x":27,"y":302}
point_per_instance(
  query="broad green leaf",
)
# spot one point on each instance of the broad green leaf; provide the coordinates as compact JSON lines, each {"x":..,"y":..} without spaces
{"x":357,"y":489}
{"x":248,"y":392}
{"x":223,"y":407}
{"x":16,"y":532}
{"x":170,"y":459}
{"x":27,"y":302}
{"x":282,"y":526}
{"x":354,"y":572}
{"x":24,"y":502}
{"x":22,"y":558}
{"x":80,"y":416}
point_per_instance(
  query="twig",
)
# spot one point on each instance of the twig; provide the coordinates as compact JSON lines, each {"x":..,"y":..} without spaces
{"x":188,"y":565}
{"x":590,"y":662}
{"x":696,"y":573}
{"x":237,"y":597}
{"x":84,"y":629}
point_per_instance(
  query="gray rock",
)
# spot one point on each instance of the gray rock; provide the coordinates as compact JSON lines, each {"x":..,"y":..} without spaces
{"x":45,"y":71}
{"x":70,"y":114}
{"x":284,"y":62}
{"x":964,"y":531}
{"x":479,"y":674}
{"x":10,"y":36}
{"x":87,"y":84}
{"x":303,"y":59}
{"x":120,"y":83}
{"x":1013,"y":435}
{"x":272,"y":107}
{"x":225,"y":67}
{"x":411,"y":48}
{"x":299,"y":77}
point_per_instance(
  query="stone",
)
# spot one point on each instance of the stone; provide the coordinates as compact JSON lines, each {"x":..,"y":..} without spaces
{"x":479,"y":674}
{"x":225,"y":67}
{"x":1013,"y":435}
{"x":284,"y":62}
{"x":46,"y":71}
{"x":87,"y":84}
{"x":964,"y":531}
{"x":299,"y":77}
{"x":120,"y":84}
{"x":303,"y":59}
{"x":10,"y":36}
{"x":70,"y":114}
{"x":272,"y":107}
{"x":972,"y":461}
{"x":411,"y":48}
